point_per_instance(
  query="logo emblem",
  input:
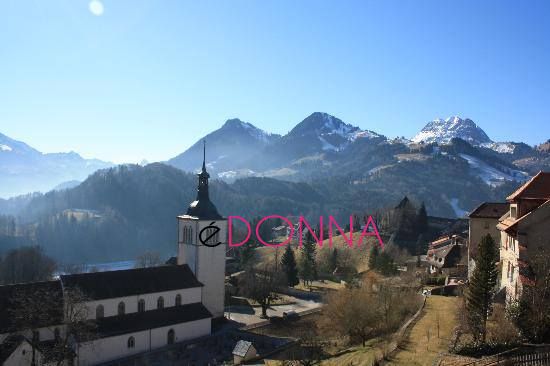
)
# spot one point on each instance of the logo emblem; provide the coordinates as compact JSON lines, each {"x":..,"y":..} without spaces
{"x":209,"y":231}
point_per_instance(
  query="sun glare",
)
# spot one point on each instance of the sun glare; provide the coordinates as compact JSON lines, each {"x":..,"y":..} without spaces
{"x":96,"y":7}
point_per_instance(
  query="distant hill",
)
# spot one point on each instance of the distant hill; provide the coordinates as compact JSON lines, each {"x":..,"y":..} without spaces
{"x":25,"y":169}
{"x":119,"y":213}
{"x":323,"y":166}
{"x":231,"y":149}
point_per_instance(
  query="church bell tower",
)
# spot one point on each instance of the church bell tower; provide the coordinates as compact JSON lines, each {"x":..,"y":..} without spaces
{"x":202,"y":240}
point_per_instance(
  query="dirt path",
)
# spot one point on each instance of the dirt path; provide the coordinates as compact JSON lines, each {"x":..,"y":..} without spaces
{"x":430,"y":335}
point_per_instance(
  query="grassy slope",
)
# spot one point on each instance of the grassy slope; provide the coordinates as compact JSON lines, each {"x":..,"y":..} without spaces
{"x":417,"y":350}
{"x":356,"y":256}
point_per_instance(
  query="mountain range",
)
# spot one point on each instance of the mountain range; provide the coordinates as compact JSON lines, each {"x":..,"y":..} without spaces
{"x":25,"y":169}
{"x":322,"y":145}
{"x":318,"y":147}
{"x":323,"y":166}
{"x":239,"y":149}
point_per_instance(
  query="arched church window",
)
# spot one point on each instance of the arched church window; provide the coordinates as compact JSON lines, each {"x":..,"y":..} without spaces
{"x":171,"y":336}
{"x":131,"y":342}
{"x":141,"y":306}
{"x":190,"y":235}
{"x":178,"y":300}
{"x":121,"y":308}
{"x":184,"y":235}
{"x":160,"y":302}
{"x":99,"y":312}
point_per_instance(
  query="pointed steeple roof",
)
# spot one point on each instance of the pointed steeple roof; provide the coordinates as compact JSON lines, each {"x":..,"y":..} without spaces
{"x":202,"y":207}
{"x":204,"y":156}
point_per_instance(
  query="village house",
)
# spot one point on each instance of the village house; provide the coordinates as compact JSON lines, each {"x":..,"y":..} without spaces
{"x":133,"y":311}
{"x":524,"y":230}
{"x":447,"y":255}
{"x":483,"y":220}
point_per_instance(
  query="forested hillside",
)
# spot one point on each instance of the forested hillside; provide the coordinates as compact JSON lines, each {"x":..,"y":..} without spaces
{"x":119,"y":213}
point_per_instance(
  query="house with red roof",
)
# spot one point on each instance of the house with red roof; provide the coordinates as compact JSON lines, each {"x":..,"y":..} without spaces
{"x":524,"y":230}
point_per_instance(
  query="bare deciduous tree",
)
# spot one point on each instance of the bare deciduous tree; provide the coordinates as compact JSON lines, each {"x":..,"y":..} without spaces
{"x":361,"y":313}
{"x":261,"y":286}
{"x":533,"y":309}
{"x":64,"y":315}
{"x":148,"y":259}
{"x":26,"y":264}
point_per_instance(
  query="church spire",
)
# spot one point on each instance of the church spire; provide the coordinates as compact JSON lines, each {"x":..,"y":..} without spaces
{"x":204,"y":156}
{"x":202,"y":207}
{"x":202,"y":189}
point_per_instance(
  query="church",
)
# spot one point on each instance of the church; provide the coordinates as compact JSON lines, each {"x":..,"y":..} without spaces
{"x":132,"y":311}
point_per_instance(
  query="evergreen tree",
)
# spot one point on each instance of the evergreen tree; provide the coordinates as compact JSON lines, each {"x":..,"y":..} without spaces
{"x":288,"y":262}
{"x":421,"y":245}
{"x":481,"y":289}
{"x":385,"y":264}
{"x":333,"y":261}
{"x":381,"y":262}
{"x":405,"y":220}
{"x":308,"y":265}
{"x":373,"y":257}
{"x":422,"y":219}
{"x":247,"y":255}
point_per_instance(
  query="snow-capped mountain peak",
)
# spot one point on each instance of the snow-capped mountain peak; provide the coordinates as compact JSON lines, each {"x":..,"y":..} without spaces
{"x":443,"y":130}
{"x":332,"y":132}
{"x":252,"y":130}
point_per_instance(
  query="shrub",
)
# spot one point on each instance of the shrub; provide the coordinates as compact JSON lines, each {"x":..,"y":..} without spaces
{"x":479,"y":349}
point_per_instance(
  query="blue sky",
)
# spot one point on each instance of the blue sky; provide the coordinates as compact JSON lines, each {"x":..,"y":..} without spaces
{"x":146,"y":79}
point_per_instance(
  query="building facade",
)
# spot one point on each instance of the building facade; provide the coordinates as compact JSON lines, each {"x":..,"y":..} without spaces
{"x":483,"y":220}
{"x":202,"y":244}
{"x":128,"y":311}
{"x":524,"y":232}
{"x":447,"y":255}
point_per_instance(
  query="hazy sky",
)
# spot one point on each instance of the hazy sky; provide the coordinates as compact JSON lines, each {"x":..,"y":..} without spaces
{"x":127,"y":80}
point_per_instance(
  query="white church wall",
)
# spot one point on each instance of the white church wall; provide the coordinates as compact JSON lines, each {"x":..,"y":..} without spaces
{"x":211,"y":270}
{"x":208,"y":263}
{"x":110,"y":306}
{"x":183,"y":332}
{"x":111,"y":348}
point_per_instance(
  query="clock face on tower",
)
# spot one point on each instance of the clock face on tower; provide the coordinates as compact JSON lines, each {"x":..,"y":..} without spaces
{"x":209,"y":235}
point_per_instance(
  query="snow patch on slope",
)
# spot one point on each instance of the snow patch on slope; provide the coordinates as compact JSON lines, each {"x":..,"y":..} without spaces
{"x":326,"y":146}
{"x":500,"y":147}
{"x":458,"y":211}
{"x":234,"y":174}
{"x":5,"y":147}
{"x":365,"y":134}
{"x":257,"y":133}
{"x":339,"y":134}
{"x":490,"y":175}
{"x":341,"y":129}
